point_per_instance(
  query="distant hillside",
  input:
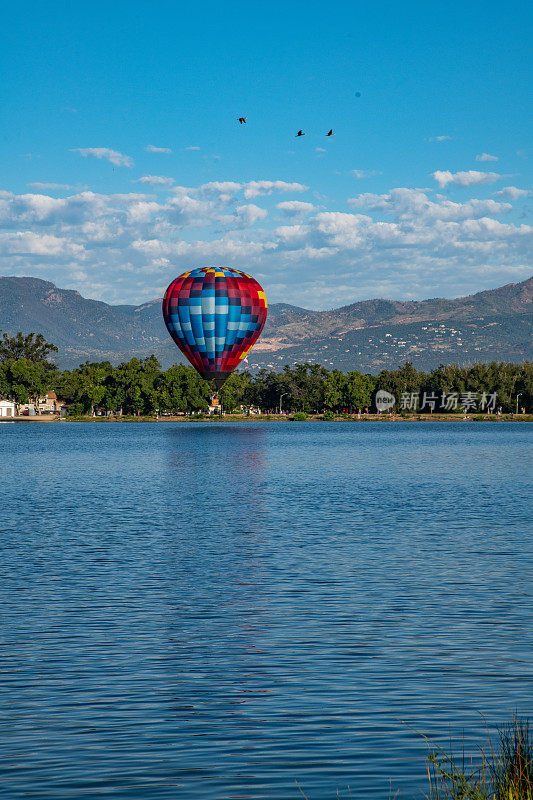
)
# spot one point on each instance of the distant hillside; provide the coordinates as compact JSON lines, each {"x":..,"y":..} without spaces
{"x":369,"y":335}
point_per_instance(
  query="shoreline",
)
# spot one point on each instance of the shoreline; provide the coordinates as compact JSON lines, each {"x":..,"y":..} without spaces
{"x":47,"y":418}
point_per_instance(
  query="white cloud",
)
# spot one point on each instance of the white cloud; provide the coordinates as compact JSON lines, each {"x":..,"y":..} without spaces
{"x":249,"y":214}
{"x":292,"y":237}
{"x":470,"y":178}
{"x":404,"y":241}
{"x":295,"y":208}
{"x":224,"y":193}
{"x":142,"y":211}
{"x":155,"y":180}
{"x":511,"y":192}
{"x":365,"y":173}
{"x":113,"y":156}
{"x":192,"y":147}
{"x":414,"y":204}
{"x":28,"y":210}
{"x":225,"y":247}
{"x":209,"y":204}
{"x":255,"y":188}
{"x":320,"y":150}
{"x":226,"y":190}
{"x":440,"y":138}
{"x":186,"y":211}
{"x":150,"y":148}
{"x":486,"y":157}
{"x":490,"y":229}
{"x":344,"y":229}
{"x":222,"y":189}
{"x":34,"y":244}
{"x":50,"y":186}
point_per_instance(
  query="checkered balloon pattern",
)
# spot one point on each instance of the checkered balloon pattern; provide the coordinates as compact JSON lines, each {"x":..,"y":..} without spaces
{"x":215,"y":315}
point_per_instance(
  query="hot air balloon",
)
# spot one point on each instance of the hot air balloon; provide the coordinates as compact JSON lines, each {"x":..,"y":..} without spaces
{"x":215,"y":315}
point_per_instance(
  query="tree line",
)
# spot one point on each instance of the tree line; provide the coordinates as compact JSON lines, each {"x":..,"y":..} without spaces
{"x":140,"y":386}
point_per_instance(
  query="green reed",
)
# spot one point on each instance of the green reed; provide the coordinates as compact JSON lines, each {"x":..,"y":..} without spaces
{"x":504,"y":771}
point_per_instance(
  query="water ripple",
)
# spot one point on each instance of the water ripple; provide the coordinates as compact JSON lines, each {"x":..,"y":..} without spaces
{"x":218,"y":610}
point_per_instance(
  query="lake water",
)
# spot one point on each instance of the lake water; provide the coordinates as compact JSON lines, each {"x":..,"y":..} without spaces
{"x":216,"y":610}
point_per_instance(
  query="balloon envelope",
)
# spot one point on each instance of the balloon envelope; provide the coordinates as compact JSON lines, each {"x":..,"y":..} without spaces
{"x":215,"y":316}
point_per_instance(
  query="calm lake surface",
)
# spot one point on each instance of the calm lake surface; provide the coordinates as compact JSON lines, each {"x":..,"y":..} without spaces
{"x":215,"y":610}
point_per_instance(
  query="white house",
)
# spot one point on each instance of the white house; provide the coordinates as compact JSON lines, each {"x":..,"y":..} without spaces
{"x":49,"y":404}
{"x":7,"y":408}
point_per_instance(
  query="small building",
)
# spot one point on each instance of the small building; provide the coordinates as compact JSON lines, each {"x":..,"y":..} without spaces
{"x":214,"y":405}
{"x":49,"y":404}
{"x":7,"y":408}
{"x":45,"y":404}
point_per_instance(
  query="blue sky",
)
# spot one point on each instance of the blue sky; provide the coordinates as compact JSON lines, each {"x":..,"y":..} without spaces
{"x":423,"y":191}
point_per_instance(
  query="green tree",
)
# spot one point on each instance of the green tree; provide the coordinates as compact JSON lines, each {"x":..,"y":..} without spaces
{"x":359,"y":390}
{"x":305,"y":384}
{"x":197,"y":392}
{"x":85,"y":386}
{"x":23,"y":380}
{"x":335,"y":390}
{"x":135,"y":382}
{"x":404,"y":379}
{"x":233,"y":393}
{"x":32,"y":347}
{"x":170,"y":389}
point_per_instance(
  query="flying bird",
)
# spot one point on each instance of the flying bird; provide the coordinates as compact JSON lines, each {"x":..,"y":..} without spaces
{"x":330,"y":133}
{"x":242,"y":119}
{"x":300,"y":133}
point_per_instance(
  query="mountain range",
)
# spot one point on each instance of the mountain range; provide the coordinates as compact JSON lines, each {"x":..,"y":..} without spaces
{"x":369,"y":335}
